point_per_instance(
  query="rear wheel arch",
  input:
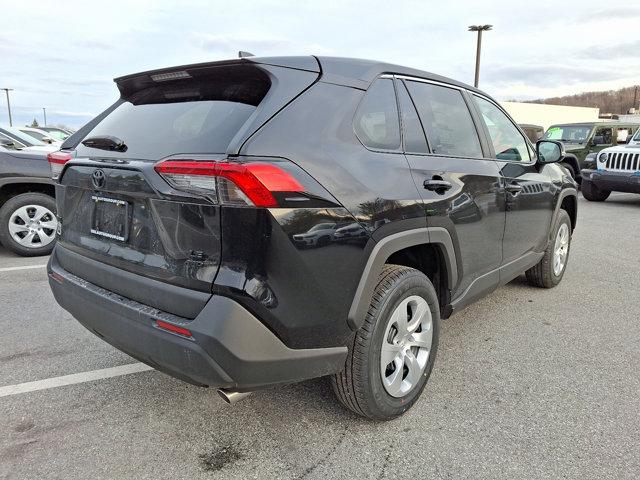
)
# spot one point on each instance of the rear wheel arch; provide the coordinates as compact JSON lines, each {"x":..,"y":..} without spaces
{"x":570,"y":204}
{"x":429,"y":250}
{"x":568,"y":201}
{"x":10,"y":190}
{"x":572,"y":161}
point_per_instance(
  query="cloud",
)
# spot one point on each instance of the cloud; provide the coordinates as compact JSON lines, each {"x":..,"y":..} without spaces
{"x":260,"y":45}
{"x":548,"y":75}
{"x":95,"y":44}
{"x":611,"y":52}
{"x":541,"y":51}
{"x":610,"y":13}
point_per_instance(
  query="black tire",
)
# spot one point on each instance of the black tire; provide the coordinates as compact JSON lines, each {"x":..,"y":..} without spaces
{"x":543,"y":275}
{"x":593,"y":193}
{"x":359,"y":385}
{"x":13,"y":204}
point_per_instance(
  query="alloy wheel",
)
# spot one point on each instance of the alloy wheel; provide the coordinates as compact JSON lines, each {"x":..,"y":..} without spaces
{"x":406,"y":346}
{"x":561,"y":249}
{"x":33,"y":226}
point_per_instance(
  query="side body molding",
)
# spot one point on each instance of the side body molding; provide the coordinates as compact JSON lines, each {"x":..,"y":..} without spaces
{"x":437,"y":236}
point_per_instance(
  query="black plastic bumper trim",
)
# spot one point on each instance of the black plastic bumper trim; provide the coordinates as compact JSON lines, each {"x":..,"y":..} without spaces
{"x":229,"y":347}
{"x":613,"y":181}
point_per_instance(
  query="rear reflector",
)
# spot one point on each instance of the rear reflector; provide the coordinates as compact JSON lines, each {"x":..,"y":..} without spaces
{"x":232,"y":183}
{"x":57,"y":161}
{"x":57,"y":277}
{"x":170,"y":327}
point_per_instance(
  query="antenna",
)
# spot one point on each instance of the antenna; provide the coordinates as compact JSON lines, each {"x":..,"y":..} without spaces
{"x":242,"y":54}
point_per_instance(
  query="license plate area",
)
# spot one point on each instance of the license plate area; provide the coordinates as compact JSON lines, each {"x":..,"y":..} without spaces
{"x":110,"y":218}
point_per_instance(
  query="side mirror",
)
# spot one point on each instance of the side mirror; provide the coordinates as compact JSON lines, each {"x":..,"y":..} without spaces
{"x":629,"y":137}
{"x":6,"y":143}
{"x":549,"y":151}
{"x":598,"y":140}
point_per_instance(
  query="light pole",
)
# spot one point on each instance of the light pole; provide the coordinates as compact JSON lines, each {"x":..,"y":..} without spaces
{"x":479,"y":29}
{"x":7,"y":90}
{"x":44,"y":110}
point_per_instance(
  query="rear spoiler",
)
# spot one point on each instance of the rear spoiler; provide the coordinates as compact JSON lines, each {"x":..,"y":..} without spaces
{"x":290,"y":77}
{"x":137,"y":81}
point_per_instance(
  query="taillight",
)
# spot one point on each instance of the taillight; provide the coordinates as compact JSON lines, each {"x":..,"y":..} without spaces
{"x":56,"y":162}
{"x":231,"y":183}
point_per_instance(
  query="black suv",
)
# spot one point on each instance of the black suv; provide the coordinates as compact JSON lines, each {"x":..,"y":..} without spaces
{"x":184,"y":207}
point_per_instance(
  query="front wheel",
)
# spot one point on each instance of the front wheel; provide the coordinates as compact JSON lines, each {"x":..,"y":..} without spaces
{"x":28,"y":224}
{"x":549,"y":271}
{"x":393,"y":352}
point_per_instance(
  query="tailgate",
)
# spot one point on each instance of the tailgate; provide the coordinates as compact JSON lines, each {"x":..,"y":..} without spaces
{"x":127,"y":222}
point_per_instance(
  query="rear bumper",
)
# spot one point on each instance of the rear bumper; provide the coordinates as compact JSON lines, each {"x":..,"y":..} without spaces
{"x":612,"y":181}
{"x":229,"y":347}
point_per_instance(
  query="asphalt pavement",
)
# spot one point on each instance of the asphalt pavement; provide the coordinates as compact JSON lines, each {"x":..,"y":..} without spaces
{"x":528,"y":383}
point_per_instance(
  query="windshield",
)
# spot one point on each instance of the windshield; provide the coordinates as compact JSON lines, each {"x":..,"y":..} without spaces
{"x":57,"y":134}
{"x":23,"y":137}
{"x":568,"y":133}
{"x":636,"y":137}
{"x":7,"y":142}
{"x":31,"y":133}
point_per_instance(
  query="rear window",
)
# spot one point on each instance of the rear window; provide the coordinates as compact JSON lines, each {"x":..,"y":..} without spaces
{"x":199,"y":114}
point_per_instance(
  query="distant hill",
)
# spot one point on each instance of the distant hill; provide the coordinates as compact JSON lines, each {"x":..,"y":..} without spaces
{"x":612,"y":101}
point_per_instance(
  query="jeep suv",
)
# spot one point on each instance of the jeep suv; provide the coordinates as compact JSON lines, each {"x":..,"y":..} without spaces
{"x":182,"y":207}
{"x":617,"y":169}
{"x":582,"y":141}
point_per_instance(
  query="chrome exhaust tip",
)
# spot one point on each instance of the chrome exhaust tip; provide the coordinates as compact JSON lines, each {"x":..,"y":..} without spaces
{"x":231,"y":396}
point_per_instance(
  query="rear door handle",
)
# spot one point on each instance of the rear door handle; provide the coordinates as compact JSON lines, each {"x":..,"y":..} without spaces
{"x":514,"y":188}
{"x":440,"y":186}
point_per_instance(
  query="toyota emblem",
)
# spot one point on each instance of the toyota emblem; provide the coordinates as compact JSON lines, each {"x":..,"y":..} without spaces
{"x":98,"y":178}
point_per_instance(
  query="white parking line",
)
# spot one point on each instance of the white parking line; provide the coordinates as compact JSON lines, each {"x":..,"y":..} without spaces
{"x":73,"y":379}
{"x":25,"y":267}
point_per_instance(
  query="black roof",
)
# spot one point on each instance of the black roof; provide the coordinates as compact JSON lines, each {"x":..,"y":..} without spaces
{"x":368,"y":70}
{"x":354,"y":71}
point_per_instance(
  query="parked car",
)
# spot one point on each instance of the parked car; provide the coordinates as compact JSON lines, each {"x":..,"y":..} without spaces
{"x":187,"y":261}
{"x":27,"y":202}
{"x":533,"y":132}
{"x":353,"y":232}
{"x":12,"y":138}
{"x":57,"y":133}
{"x":581,"y":139}
{"x":617,"y":169}
{"x":41,"y":135}
{"x":319,"y":235}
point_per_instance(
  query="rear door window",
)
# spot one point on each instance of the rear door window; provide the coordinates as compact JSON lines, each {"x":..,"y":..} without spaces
{"x":446,"y":119}
{"x":197,"y":115}
{"x":376,"y":121}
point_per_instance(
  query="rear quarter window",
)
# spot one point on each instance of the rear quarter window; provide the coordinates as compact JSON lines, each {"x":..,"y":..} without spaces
{"x":376,"y":121}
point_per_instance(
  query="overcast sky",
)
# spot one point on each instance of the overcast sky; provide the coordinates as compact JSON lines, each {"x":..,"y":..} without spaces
{"x":63,"y":55}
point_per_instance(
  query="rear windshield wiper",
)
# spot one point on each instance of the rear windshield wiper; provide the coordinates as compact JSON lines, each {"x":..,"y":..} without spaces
{"x":105,"y":142}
